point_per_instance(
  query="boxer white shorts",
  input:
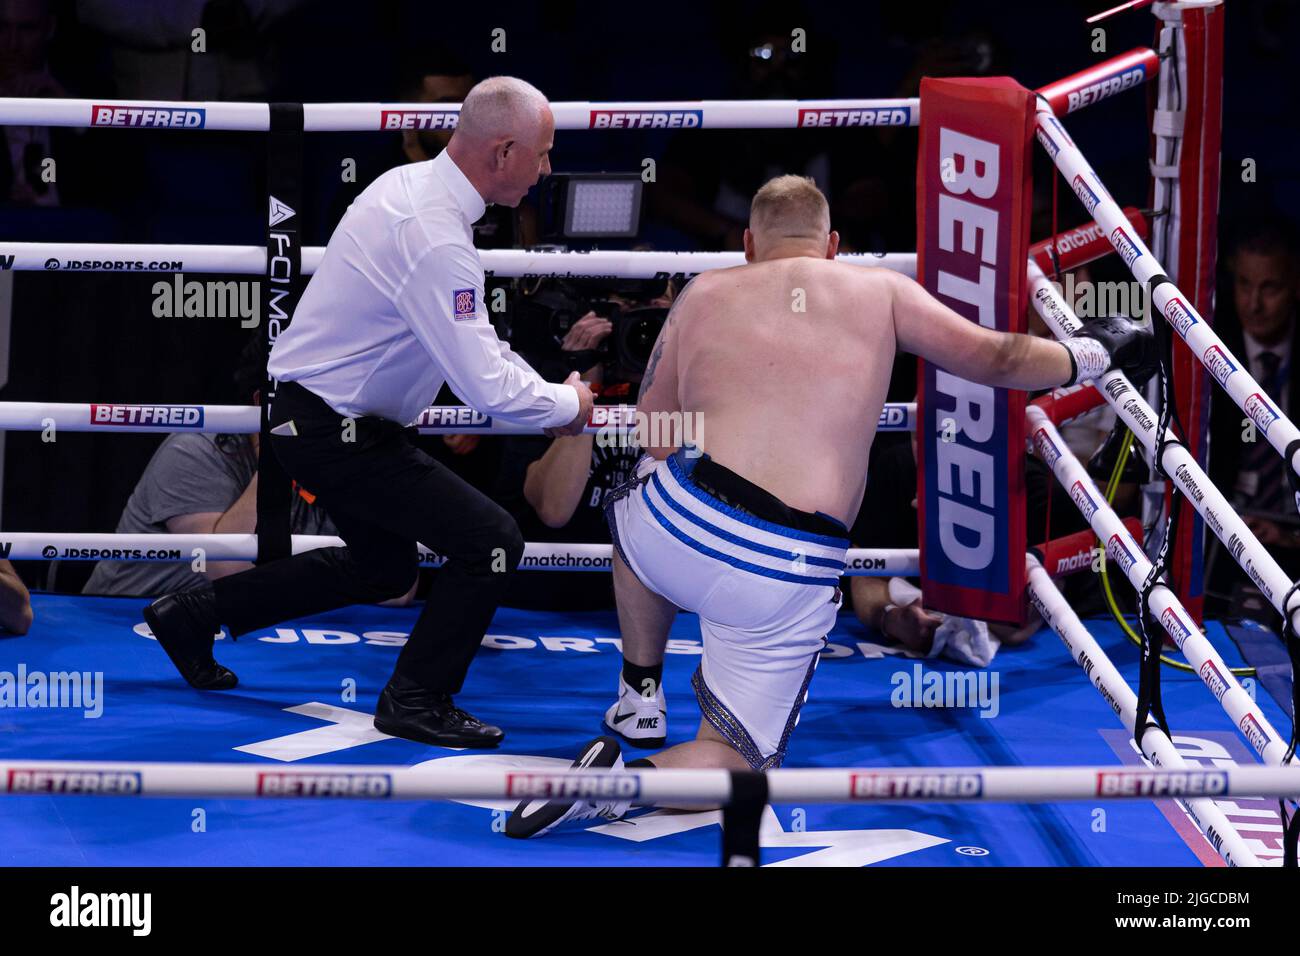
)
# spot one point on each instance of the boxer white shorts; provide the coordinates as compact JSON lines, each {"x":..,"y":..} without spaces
{"x":766,"y":596}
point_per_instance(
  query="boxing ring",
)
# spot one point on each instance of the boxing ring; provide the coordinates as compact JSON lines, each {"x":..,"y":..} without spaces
{"x":920,"y":769}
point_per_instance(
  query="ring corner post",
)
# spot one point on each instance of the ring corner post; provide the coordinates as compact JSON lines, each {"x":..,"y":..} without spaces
{"x":1185,"y":169}
{"x":974,"y":196}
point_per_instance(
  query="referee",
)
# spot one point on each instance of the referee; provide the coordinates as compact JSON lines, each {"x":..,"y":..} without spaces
{"x":395,"y":309}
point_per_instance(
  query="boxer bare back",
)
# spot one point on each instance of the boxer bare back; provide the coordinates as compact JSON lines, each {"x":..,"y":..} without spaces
{"x":786,"y":362}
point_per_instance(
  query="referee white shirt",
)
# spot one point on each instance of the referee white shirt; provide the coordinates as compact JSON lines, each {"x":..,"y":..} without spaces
{"x":396,"y":308}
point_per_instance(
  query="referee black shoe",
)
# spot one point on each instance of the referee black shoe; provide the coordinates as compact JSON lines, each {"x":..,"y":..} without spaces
{"x":410,"y":711}
{"x":185,"y":625}
{"x":534,"y":817}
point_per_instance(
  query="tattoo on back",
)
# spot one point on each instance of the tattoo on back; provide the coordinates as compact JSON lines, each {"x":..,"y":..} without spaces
{"x":648,"y":378}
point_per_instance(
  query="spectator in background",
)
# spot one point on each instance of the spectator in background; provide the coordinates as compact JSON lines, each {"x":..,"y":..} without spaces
{"x":556,"y":488}
{"x":151,"y":46}
{"x":877,"y":210}
{"x":1263,"y":270}
{"x":707,"y":178}
{"x":440,"y":77}
{"x":437,"y":77}
{"x":200,"y":484}
{"x":26,"y":29}
{"x":15,"y":601}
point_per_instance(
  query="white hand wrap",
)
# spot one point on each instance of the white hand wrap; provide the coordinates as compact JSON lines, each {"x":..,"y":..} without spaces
{"x":1090,"y":358}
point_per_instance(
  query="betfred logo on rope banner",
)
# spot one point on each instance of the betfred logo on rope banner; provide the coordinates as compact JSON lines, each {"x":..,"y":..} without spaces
{"x":1079,"y":495}
{"x":1175,"y":626}
{"x":1048,"y":144}
{"x":593,"y":786}
{"x":1104,"y":88}
{"x":880,"y":116}
{"x":1148,"y":783}
{"x":1180,"y":317}
{"x":648,"y":119}
{"x":973,"y":206}
{"x":891,"y":417}
{"x":271,"y":784}
{"x":1260,"y":411}
{"x":418,"y":119}
{"x":1049,"y":141}
{"x":904,"y":785}
{"x":439,"y":416}
{"x":1125,"y":246}
{"x":1046,"y":448}
{"x":150,"y":116}
{"x":1254,"y":733}
{"x":59,"y":780}
{"x":1120,"y":553}
{"x":1087,"y":195}
{"x":1214,"y":679}
{"x":1218,"y":363}
{"x":160,"y":416}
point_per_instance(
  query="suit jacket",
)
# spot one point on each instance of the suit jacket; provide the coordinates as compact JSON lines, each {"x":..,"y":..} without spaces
{"x":1226,"y":447}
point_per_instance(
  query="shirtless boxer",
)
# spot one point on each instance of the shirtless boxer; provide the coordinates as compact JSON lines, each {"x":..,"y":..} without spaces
{"x":787,"y":361}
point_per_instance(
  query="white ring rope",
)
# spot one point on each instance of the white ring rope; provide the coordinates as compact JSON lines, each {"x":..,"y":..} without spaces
{"x":394,"y":117}
{"x":1188,"y":477}
{"x":1098,"y":82}
{"x":1156,"y":747}
{"x":538,"y":555}
{"x":504,"y":263}
{"x":1127,"y":554}
{"x":1226,"y":368}
{"x":849,"y":785}
{"x":607,"y":421}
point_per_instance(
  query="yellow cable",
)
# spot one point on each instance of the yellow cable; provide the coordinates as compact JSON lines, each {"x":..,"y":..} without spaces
{"x":1112,"y":486}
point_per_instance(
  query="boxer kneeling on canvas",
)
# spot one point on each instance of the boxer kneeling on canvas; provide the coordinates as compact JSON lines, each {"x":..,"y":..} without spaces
{"x":784,"y":362}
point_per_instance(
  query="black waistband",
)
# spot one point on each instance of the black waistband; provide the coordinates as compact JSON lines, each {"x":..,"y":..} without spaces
{"x":300,"y":401}
{"x":741,"y":493}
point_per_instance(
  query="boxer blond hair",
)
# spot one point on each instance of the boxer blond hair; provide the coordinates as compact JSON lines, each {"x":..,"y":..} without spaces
{"x":790,"y":207}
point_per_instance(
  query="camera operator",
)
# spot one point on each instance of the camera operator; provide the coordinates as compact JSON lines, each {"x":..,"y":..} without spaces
{"x":555,"y":488}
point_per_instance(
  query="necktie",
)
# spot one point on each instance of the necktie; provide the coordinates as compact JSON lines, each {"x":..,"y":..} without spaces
{"x":1269,"y":363}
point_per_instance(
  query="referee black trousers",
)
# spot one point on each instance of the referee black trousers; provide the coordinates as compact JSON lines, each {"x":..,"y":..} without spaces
{"x":383,"y":494}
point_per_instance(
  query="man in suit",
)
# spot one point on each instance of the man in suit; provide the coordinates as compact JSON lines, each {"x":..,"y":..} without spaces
{"x":1259,"y":326}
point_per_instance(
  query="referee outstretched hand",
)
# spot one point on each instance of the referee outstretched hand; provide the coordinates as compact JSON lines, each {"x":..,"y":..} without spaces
{"x":585,"y":401}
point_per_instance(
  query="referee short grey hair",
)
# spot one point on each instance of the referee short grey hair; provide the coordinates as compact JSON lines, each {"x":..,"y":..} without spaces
{"x":497,"y":106}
